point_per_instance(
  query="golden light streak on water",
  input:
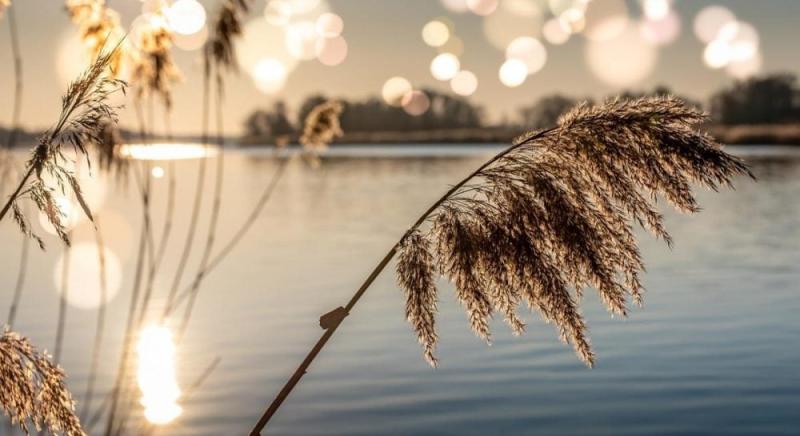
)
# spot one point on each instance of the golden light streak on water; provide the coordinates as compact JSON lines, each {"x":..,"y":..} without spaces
{"x":156,"y":375}
{"x":167,"y":151}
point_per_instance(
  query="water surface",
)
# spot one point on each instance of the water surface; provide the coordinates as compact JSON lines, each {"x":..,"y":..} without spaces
{"x":714,"y":350}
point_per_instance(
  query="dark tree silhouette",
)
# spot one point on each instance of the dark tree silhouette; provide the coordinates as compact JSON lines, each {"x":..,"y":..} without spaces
{"x":770,"y":99}
{"x":546,"y":112}
{"x":269,"y":123}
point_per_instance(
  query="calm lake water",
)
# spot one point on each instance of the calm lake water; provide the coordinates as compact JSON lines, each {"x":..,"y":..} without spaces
{"x":715,"y":350}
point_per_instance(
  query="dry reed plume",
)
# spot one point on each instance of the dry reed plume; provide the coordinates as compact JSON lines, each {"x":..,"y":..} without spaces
{"x":547,"y":217}
{"x":154,"y":70}
{"x":33,"y":389}
{"x":98,"y":25}
{"x":220,"y":49}
{"x":553,"y":215}
{"x":84,"y":110}
{"x":321,"y":128}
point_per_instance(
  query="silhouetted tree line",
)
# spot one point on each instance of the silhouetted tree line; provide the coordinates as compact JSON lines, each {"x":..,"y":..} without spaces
{"x":372,"y":114}
{"x":769,"y":99}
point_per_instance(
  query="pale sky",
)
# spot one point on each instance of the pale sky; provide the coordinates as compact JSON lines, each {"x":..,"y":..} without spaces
{"x":384,"y":38}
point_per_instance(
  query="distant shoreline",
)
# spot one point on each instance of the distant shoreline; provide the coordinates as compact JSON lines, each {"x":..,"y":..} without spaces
{"x":788,"y":134}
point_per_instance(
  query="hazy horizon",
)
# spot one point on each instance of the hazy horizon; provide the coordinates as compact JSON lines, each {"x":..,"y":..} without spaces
{"x":384,"y":40}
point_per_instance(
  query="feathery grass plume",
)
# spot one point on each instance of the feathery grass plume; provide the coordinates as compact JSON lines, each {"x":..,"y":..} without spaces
{"x":220,"y":49}
{"x":552,"y":215}
{"x":320,"y":129}
{"x":99,"y":26}
{"x":154,"y":69}
{"x":33,"y":389}
{"x":84,"y":110}
{"x":415,"y":270}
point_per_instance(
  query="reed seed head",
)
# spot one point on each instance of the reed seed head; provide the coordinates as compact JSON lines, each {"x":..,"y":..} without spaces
{"x":321,"y":127}
{"x":554,"y":215}
{"x":32,"y":389}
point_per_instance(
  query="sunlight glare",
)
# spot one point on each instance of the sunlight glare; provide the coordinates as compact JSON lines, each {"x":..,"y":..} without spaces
{"x":156,"y":375}
{"x":166,"y":152}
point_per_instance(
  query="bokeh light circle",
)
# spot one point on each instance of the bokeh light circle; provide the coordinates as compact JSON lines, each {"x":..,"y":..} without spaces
{"x":503,"y":26}
{"x":525,"y":8}
{"x":605,"y":19}
{"x":465,"y":83}
{"x":416,"y":103}
{"x":554,"y":33}
{"x":710,"y":20}
{"x":482,"y":7}
{"x":261,"y":40}
{"x":191,"y":42}
{"x":435,"y":33}
{"x":84,"y":285}
{"x":662,"y":31}
{"x":301,"y":39}
{"x":513,"y":73}
{"x":278,"y":12}
{"x":656,"y":9}
{"x":458,"y":6}
{"x":332,"y":51}
{"x":269,"y":75}
{"x":445,"y":66}
{"x":624,"y":60}
{"x":717,"y":54}
{"x":530,"y":51}
{"x":394,"y":90}
{"x":329,"y":25}
{"x":186,"y":17}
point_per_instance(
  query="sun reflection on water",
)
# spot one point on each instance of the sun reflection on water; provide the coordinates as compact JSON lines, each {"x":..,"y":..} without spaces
{"x":156,"y":375}
{"x":167,"y":151}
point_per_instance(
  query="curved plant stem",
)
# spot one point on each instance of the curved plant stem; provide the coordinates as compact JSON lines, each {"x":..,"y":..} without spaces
{"x":62,"y":305}
{"x":101,"y":323}
{"x":234,"y":241}
{"x":198,"y":198}
{"x":302,"y":369}
{"x":215,"y":210}
{"x":10,"y":144}
{"x":20,"y":284}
